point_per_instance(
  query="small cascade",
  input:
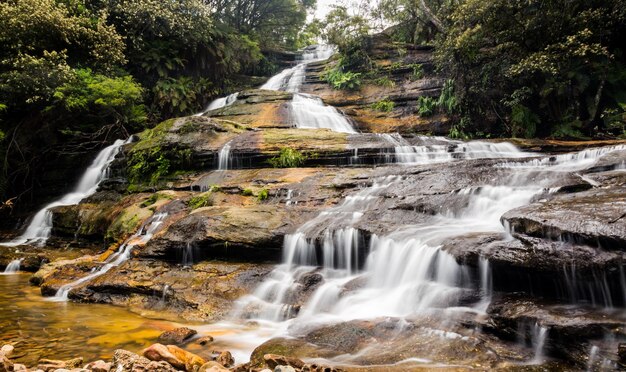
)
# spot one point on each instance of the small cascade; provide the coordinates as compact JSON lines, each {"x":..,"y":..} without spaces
{"x":188,"y":255}
{"x":593,"y":356}
{"x":141,"y":237}
{"x":310,"y":112}
{"x":40,"y":227}
{"x":13,"y":267}
{"x":220,"y":103}
{"x":567,"y":162}
{"x":444,"y":150}
{"x":224,"y":157}
{"x":291,"y":79}
{"x":486,"y":282}
{"x":164,"y":294}
{"x":539,"y":335}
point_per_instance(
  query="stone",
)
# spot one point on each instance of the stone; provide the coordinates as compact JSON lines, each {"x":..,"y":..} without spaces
{"x":19,"y":368}
{"x":99,"y":366}
{"x":205,"y":340}
{"x":7,"y":350}
{"x":126,"y":361}
{"x":274,"y":360}
{"x":176,"y":336}
{"x":284,"y":369}
{"x":226,"y":359}
{"x":175,"y":356}
{"x":53,"y":365}
{"x":212,"y":366}
{"x":5,"y":364}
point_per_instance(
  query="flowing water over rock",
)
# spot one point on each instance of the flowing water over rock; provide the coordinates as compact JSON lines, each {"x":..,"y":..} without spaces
{"x":141,"y":237}
{"x":39,"y":228}
{"x":13,"y":267}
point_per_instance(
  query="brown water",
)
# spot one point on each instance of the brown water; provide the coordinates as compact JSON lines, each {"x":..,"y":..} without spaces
{"x":61,"y":330}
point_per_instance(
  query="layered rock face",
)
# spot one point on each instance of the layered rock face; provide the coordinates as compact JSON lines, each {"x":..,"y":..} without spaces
{"x":440,"y":252}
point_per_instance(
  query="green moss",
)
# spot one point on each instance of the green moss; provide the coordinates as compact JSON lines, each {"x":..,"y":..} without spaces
{"x":153,"y":199}
{"x":288,"y":158}
{"x":247,"y":192}
{"x":200,"y":201}
{"x":385,"y":82}
{"x":263,"y":194}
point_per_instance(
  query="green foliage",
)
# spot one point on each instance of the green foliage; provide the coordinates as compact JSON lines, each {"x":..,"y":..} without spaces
{"x":426,"y":106}
{"x":384,"y":105}
{"x":418,"y":71}
{"x":447,"y":100}
{"x":201,"y":201}
{"x":342,"y":80}
{"x":180,"y":96}
{"x":385,"y":82}
{"x":247,"y":192}
{"x":288,"y":158}
{"x":153,"y":199}
{"x":555,"y":66}
{"x":263,"y":194}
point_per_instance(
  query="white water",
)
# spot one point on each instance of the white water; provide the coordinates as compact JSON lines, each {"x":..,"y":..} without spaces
{"x":309,"y":111}
{"x":224,"y":157}
{"x":38,"y":231}
{"x":13,"y":267}
{"x":219,"y":103}
{"x":567,"y":162}
{"x":141,"y":237}
{"x":400,"y":274}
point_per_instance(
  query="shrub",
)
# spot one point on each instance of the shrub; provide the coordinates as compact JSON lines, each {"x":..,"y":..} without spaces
{"x":342,"y":80}
{"x":288,"y":158}
{"x":384,"y":105}
{"x":263,"y":194}
{"x":426,"y":106}
{"x":385,"y":82}
{"x":418,"y":72}
{"x":247,"y":192}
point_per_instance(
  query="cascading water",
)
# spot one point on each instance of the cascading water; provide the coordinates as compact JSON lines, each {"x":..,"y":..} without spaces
{"x":13,"y":267}
{"x":309,"y":111}
{"x":223,"y":157}
{"x":141,"y":237}
{"x":219,"y":103}
{"x":403,"y":273}
{"x":39,"y":228}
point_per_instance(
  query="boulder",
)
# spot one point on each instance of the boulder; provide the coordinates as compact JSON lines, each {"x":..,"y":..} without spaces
{"x":176,"y":336}
{"x":274,"y":360}
{"x":175,"y":356}
{"x":212,"y":366}
{"x":99,"y":366}
{"x":205,"y":340}
{"x":226,"y":359}
{"x":7,"y":350}
{"x":52,"y":365}
{"x":126,"y":361}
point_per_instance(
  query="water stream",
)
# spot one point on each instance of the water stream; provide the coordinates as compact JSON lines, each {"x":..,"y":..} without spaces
{"x":38,"y":230}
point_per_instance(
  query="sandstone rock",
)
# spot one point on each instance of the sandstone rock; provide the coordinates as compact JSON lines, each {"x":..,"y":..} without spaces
{"x":126,"y":361}
{"x":99,"y":366}
{"x":226,"y":359}
{"x":205,"y":340}
{"x":19,"y":368}
{"x":5,"y":364}
{"x":52,"y":365}
{"x":273,"y":360}
{"x":176,"y":336}
{"x":284,"y":369}
{"x":621,"y":353}
{"x":212,"y":366}
{"x":175,"y":356}
{"x":7,"y":350}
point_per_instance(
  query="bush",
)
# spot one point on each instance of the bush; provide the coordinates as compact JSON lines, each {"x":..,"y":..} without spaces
{"x":385,"y":82}
{"x":426,"y":106}
{"x":263,"y":194}
{"x":384,"y":105}
{"x":342,"y":80}
{"x":418,"y":72}
{"x":247,"y":192}
{"x":288,"y":158}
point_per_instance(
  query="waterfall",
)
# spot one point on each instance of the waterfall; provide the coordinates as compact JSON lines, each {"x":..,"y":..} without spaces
{"x":141,"y":237}
{"x":309,"y":111}
{"x":567,"y":162}
{"x":539,"y":335}
{"x":38,"y":231}
{"x":219,"y":103}
{"x":13,"y":267}
{"x":223,"y":157}
{"x":188,"y":255}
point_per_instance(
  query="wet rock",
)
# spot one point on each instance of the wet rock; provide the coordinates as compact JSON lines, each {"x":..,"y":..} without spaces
{"x":226,"y":359}
{"x":595,"y":217}
{"x":99,"y":366}
{"x":51,"y":364}
{"x":273,"y":361}
{"x":212,"y":366}
{"x":5,"y":364}
{"x":19,"y":368}
{"x":621,"y":353}
{"x":176,"y":336}
{"x":205,"y":340}
{"x":126,"y":361}
{"x":175,"y":356}
{"x":284,"y":369}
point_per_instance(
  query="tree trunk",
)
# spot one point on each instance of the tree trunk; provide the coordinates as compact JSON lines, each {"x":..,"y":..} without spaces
{"x":432,"y":17}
